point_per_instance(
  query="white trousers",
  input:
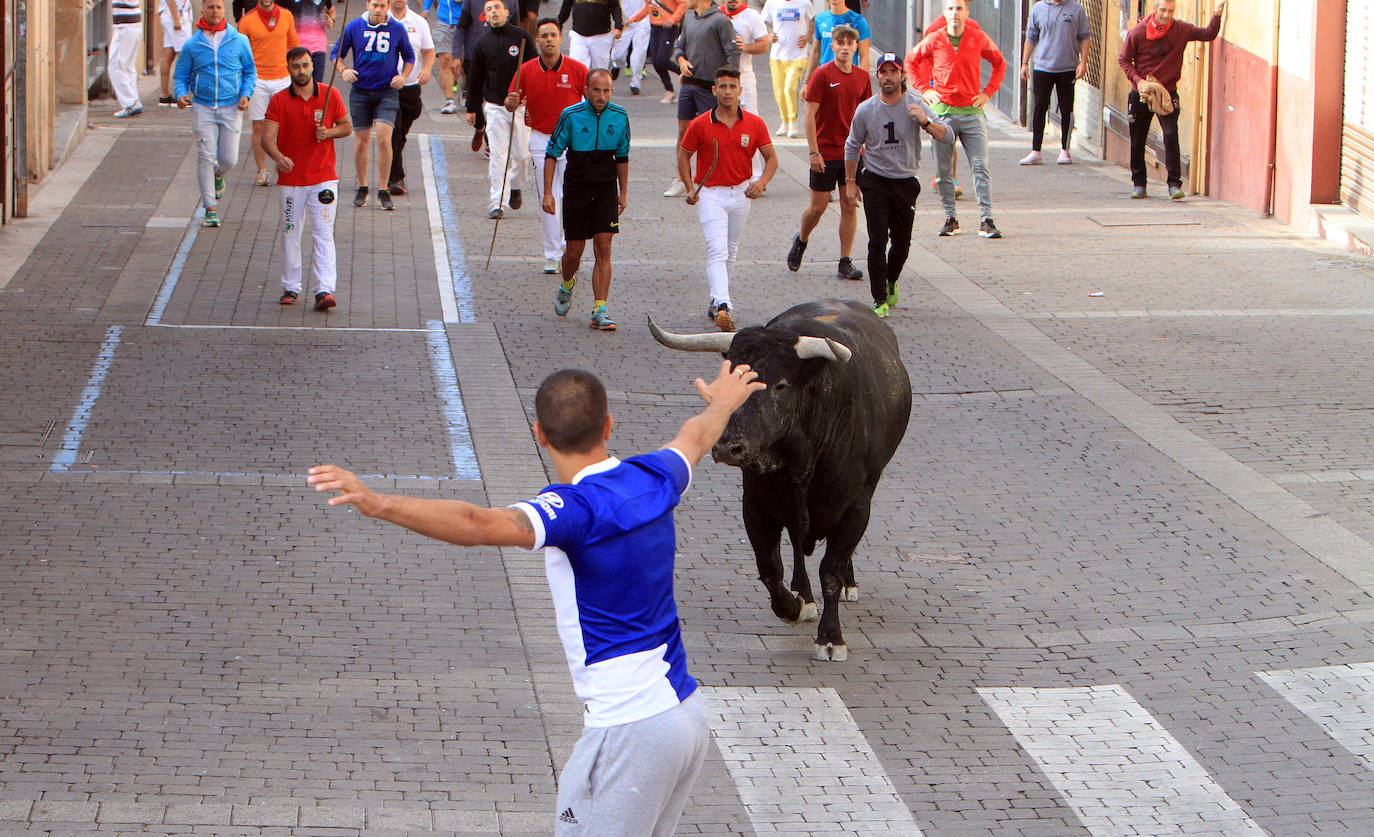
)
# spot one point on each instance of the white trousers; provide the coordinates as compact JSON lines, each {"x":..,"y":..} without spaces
{"x":217,"y":145}
{"x":299,"y":204}
{"x":636,"y":35}
{"x":552,"y":224}
{"x":722,"y":211}
{"x":749,"y":100}
{"x":500,"y":123}
{"x":123,"y":56}
{"x":593,"y":51}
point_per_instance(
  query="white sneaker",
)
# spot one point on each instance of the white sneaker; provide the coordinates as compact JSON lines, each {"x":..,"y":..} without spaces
{"x":782,"y":129}
{"x":1031,"y":159}
{"x":1064,"y":158}
{"x":449,"y":107}
{"x":551,"y":266}
{"x":676,"y":190}
{"x":792,"y":130}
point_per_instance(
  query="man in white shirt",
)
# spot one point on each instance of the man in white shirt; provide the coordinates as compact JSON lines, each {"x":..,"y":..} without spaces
{"x":632,"y":47}
{"x":422,"y":43}
{"x":791,"y":24}
{"x":752,"y":36}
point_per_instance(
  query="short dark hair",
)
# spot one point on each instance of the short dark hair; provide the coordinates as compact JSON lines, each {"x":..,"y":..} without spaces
{"x":296,"y":52}
{"x":598,"y":70}
{"x":543,"y":20}
{"x":721,"y":72}
{"x":570,"y":406}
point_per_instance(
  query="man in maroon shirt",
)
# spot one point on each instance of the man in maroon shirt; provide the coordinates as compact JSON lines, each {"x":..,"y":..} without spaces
{"x":1152,"y":55}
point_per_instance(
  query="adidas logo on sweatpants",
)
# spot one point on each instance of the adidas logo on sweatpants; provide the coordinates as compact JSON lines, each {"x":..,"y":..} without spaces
{"x":567,"y":817}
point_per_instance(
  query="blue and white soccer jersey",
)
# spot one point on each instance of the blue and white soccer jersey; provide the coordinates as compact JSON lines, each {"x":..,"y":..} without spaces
{"x":609,"y":544}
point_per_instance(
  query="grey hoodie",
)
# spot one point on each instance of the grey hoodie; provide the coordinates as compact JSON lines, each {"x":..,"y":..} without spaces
{"x":708,"y":42}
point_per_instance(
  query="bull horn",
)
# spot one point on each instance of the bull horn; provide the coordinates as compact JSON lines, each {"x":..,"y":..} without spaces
{"x":715,"y":341}
{"x":823,"y":347}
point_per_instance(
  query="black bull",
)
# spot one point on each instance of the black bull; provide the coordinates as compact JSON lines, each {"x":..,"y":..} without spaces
{"x":813,"y":445}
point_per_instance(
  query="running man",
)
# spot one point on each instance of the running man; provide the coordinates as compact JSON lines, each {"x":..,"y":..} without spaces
{"x":271,"y":29}
{"x":596,"y":186}
{"x":822,"y":46}
{"x":547,"y":85}
{"x":448,"y":47}
{"x":610,"y":569}
{"x":832,"y":95}
{"x":378,"y":43}
{"x":596,"y":25}
{"x":302,"y":123}
{"x":631,"y":49}
{"x":790,"y":21}
{"x":946,"y":67}
{"x":887,"y":131}
{"x":724,"y":140}
{"x":707,"y":43}
{"x":495,"y":60}
{"x":409,"y":106}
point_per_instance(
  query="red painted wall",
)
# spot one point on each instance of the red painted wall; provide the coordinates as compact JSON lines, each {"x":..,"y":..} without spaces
{"x":1241,"y":102}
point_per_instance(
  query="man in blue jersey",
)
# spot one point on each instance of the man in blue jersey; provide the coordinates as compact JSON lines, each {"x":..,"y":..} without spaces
{"x":822,"y":52}
{"x":379,"y":44}
{"x":607,"y":531}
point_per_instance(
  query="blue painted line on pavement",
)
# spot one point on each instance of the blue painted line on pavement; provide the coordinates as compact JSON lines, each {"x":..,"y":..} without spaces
{"x":81,"y":416}
{"x":457,"y":259}
{"x":446,"y":376}
{"x":169,"y":284}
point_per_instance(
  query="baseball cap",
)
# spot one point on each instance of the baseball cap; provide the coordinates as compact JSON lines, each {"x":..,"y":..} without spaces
{"x":889,"y":58}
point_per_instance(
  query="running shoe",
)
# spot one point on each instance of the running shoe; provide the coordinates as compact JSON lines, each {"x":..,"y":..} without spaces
{"x":516,"y":199}
{"x":360,"y":199}
{"x":496,"y":214}
{"x":167,"y":102}
{"x":1064,"y":158}
{"x":384,"y":200}
{"x":1031,"y":159}
{"x":211,"y":219}
{"x":676,"y":189}
{"x":951,"y":227}
{"x":892,"y":294}
{"x":958,"y":193}
{"x":219,"y":186}
{"x":397,"y":187}
{"x":794,"y":255}
{"x":324,"y":301}
{"x":551,"y":266}
{"x":846,"y":270}
{"x":125,"y":113}
{"x":601,"y":320}
{"x":1137,"y":192}
{"x":987,"y":229}
{"x":781,"y":131}
{"x":668,"y":98}
{"x":881,"y":309}
{"x":289,"y":298}
{"x":722,"y":317}
{"x":263,"y":178}
{"x":562,"y":299}
{"x":1176,"y":193}
{"x":449,"y":107}
{"x":634,"y":91}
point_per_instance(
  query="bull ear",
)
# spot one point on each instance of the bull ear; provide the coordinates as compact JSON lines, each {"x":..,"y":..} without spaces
{"x":823,"y":347}
{"x":715,"y":341}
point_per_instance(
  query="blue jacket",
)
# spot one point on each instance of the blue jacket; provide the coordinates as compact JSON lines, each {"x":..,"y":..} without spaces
{"x":448,"y":10}
{"x":595,"y":143}
{"x":216,"y":77}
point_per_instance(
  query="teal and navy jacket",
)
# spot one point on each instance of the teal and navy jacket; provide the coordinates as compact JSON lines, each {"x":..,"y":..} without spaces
{"x":216,"y":76}
{"x":595,"y":143}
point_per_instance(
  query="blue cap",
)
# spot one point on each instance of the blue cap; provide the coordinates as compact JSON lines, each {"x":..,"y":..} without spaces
{"x":888,"y":58}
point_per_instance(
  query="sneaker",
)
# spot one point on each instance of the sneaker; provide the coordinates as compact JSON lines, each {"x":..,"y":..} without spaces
{"x":722,"y":317}
{"x":125,"y":113}
{"x":951,"y":227}
{"x":496,"y":214}
{"x":551,"y":266}
{"x":219,"y":186}
{"x":167,"y":102}
{"x":634,"y":91}
{"x":792,"y":131}
{"x":601,"y":320}
{"x":263,"y":178}
{"x":881,"y":310}
{"x":1031,"y":159}
{"x":615,"y":73}
{"x":211,"y":219}
{"x":1064,"y":158}
{"x":397,"y":187}
{"x":847,"y":270}
{"x":384,"y":200}
{"x":360,"y":198}
{"x":1137,"y":192}
{"x":562,"y":299}
{"x":891,"y":294}
{"x":324,"y":301}
{"x":987,"y":229}
{"x":782,"y":130}
{"x":668,"y":98}
{"x":1176,"y":193}
{"x":676,"y":189}
{"x":449,"y":107}
{"x":794,"y":255}
{"x":516,"y":199}
{"x":478,"y":138}
{"x":288,"y":298}
{"x":958,"y":193}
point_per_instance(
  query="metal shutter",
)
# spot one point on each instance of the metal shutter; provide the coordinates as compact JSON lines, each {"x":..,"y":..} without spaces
{"x":1357,"y":130}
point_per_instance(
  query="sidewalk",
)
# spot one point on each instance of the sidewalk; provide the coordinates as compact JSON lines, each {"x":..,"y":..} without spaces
{"x":1129,"y":524}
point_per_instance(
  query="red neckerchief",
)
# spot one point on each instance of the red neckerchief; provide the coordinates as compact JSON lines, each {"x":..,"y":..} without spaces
{"x":1153,"y":30}
{"x":220,"y":27}
{"x":729,"y":13}
{"x":269,"y":19}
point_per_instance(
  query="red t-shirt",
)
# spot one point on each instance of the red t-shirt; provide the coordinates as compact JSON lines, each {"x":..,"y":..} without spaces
{"x":737,"y":146}
{"x":549,"y":91}
{"x":296,"y":119}
{"x":838,"y":94}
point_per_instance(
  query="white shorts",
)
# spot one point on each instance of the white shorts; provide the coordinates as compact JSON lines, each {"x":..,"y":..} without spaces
{"x":175,"y":38}
{"x":263,"y":92}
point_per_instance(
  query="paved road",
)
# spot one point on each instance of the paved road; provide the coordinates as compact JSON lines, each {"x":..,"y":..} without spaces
{"x":1117,"y":581}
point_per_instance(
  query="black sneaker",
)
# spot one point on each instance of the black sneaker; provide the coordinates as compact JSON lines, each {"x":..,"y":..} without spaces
{"x":167,"y":102}
{"x":951,"y":227}
{"x":847,"y":270}
{"x":516,"y":201}
{"x":384,"y":198}
{"x":615,"y":73}
{"x":360,"y":198}
{"x":794,"y":256}
{"x":987,"y":229}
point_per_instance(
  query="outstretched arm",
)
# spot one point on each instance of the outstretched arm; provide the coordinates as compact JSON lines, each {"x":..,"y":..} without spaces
{"x":723,"y":396}
{"x":453,"y":521}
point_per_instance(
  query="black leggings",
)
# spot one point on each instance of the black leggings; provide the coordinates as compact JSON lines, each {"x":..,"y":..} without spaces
{"x":661,"y":40}
{"x":409,"y":110}
{"x":1041,"y":82}
{"x":889,"y":209}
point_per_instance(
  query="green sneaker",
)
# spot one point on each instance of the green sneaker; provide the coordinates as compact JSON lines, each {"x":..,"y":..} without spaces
{"x":211,"y":219}
{"x":892,"y":294}
{"x":219,"y":186}
{"x":881,"y":310}
{"x":601,"y":320}
{"x":562,"y":300}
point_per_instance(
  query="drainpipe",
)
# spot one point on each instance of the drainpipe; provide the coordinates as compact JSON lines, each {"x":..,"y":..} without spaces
{"x":1273,"y":182}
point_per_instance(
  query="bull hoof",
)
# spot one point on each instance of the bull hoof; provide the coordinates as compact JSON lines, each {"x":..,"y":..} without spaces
{"x":830,"y":652}
{"x":849,"y":594}
{"x":800,"y":615}
{"x":809,"y":612}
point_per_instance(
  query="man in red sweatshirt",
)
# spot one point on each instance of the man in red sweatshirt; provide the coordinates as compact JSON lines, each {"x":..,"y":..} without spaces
{"x":1152,"y":59}
{"x":945,"y":68}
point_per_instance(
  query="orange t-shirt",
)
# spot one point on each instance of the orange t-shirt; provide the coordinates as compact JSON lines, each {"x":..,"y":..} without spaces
{"x":270,"y":44}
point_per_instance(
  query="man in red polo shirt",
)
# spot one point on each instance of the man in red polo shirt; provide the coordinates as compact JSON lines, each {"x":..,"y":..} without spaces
{"x":724,"y":140}
{"x":301,"y":125}
{"x":546,"y":85}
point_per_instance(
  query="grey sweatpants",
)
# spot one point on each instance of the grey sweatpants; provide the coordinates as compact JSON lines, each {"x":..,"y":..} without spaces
{"x":633,"y":779}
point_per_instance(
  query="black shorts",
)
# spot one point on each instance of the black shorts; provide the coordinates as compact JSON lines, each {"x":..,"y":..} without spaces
{"x":529,"y":7}
{"x":589,"y":209}
{"x":827,"y":180}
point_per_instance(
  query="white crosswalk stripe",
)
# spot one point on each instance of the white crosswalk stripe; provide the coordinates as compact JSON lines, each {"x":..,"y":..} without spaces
{"x":1338,"y":698}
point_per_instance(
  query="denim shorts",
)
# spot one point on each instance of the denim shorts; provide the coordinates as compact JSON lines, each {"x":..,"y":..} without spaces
{"x":368,"y":106}
{"x":693,"y":101}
